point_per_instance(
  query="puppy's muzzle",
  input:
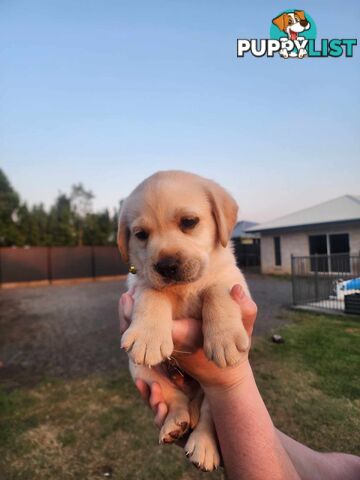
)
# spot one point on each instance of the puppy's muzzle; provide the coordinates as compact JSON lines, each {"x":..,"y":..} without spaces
{"x":168,"y":267}
{"x":304,"y":23}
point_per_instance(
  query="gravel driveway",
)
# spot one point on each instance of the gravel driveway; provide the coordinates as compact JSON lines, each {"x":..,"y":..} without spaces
{"x":72,"y":330}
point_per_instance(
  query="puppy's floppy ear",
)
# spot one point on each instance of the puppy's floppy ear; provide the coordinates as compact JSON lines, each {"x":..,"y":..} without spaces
{"x":280,"y":21}
{"x":300,"y":14}
{"x":123,"y":233}
{"x":224,"y":210}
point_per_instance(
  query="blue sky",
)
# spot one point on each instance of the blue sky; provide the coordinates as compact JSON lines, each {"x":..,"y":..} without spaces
{"x":107,"y":92}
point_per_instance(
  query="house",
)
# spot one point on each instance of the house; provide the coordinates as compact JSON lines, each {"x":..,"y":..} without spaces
{"x":240,"y":231}
{"x":246,"y":245}
{"x":332,"y":227}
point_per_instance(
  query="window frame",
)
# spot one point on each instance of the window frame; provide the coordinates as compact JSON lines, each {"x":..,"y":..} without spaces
{"x":277,"y":251}
{"x":325,"y":259}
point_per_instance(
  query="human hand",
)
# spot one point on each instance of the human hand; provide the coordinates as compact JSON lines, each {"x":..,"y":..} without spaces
{"x":187,"y":336}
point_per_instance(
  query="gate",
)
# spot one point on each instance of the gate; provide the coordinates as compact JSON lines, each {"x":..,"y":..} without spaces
{"x":327,"y":282}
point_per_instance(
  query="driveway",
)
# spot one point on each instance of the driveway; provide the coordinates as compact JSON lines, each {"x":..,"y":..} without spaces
{"x":273,"y":296}
{"x":72,"y":330}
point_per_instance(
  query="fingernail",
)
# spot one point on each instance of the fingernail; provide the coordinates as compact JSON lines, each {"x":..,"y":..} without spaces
{"x":239,"y":291}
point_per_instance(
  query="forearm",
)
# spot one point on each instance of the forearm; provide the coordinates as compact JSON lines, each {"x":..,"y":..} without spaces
{"x":249,"y":443}
{"x":312,"y":465}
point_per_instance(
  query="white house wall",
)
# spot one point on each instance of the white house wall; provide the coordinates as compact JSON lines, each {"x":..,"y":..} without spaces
{"x":297,"y":243}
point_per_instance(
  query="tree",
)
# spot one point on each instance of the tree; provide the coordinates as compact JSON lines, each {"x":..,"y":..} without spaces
{"x":98,"y":229}
{"x":39,"y":225}
{"x":9,"y":203}
{"x":33,"y":224}
{"x":81,"y":204}
{"x":70,"y":220}
{"x":61,"y":229}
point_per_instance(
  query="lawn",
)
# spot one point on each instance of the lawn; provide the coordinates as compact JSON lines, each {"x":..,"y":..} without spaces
{"x":96,"y":427}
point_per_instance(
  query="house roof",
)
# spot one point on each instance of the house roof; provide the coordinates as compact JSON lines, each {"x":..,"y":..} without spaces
{"x":340,"y":209}
{"x":241,"y":228}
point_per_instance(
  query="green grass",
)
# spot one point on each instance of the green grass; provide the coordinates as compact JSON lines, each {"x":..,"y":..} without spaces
{"x":311,"y":383}
{"x":70,"y":429}
{"x":76,"y":429}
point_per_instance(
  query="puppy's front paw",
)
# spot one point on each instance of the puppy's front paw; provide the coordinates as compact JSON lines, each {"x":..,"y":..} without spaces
{"x":202,"y":450}
{"x":226,"y":347}
{"x":147,"y":348}
{"x":175,"y":426}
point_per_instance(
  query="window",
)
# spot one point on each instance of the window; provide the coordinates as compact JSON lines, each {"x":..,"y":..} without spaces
{"x":339,"y":246}
{"x":339,"y":243}
{"x":335,"y":244}
{"x":318,"y":246}
{"x":277,"y":251}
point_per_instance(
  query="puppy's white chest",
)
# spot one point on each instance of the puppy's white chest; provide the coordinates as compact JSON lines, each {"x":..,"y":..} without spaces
{"x":188,"y":305}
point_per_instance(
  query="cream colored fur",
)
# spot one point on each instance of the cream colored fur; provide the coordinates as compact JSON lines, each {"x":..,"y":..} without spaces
{"x":207,"y":273}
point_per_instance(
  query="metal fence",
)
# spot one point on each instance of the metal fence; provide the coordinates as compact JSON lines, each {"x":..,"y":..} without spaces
{"x":327,"y":282}
{"x":59,"y":263}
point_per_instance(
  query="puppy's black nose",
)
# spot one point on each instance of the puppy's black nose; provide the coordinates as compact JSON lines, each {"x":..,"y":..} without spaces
{"x":168,"y":267}
{"x":303,"y":23}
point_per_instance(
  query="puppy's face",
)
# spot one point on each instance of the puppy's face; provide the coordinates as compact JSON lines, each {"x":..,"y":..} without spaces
{"x":171,"y":224}
{"x":292,"y":23}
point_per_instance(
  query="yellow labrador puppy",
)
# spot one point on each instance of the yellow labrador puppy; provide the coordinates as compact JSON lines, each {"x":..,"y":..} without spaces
{"x":174,"y":229}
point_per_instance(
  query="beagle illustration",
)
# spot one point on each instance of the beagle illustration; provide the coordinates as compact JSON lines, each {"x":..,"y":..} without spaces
{"x":292,"y":24}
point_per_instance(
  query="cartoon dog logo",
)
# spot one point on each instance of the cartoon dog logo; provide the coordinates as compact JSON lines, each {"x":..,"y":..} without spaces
{"x":292,"y":24}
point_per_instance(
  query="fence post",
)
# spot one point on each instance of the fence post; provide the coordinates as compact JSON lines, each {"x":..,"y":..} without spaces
{"x":293,"y":279}
{"x":93,"y":266}
{"x":316,"y":276}
{"x":49,"y":266}
{"x":0,"y":266}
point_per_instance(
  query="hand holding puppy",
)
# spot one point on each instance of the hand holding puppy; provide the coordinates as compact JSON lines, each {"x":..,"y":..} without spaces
{"x":188,"y":340}
{"x":185,"y":269}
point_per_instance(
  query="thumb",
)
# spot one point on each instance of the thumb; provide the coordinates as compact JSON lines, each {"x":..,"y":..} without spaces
{"x":247,"y":306}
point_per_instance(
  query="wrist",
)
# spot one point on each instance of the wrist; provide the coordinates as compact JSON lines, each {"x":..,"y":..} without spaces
{"x":228,"y":379}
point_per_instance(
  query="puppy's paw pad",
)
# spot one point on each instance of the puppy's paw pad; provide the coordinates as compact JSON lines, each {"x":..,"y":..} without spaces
{"x":128,"y":338}
{"x":175,"y":426}
{"x":145,"y":349}
{"x":202,"y":451}
{"x":242,"y":342}
{"x":158,"y":350}
{"x":226,"y":349}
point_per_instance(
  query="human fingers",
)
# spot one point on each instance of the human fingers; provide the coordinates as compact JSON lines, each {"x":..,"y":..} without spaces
{"x":126,"y":304}
{"x":247,"y":306}
{"x":156,"y":396}
{"x":187,"y":335}
{"x":153,"y":397}
{"x":143,"y":389}
{"x":162,"y":411}
{"x":157,"y":404}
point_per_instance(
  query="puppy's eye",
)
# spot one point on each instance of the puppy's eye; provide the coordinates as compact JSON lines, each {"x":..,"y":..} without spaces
{"x":290,"y":21}
{"x":141,"y":235}
{"x":188,"y":223}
